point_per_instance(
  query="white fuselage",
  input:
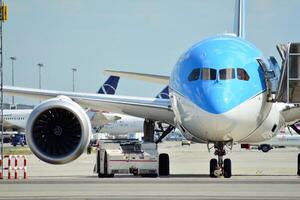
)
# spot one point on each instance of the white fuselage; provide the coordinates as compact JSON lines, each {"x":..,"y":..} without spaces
{"x":254,"y":120}
{"x":15,"y":119}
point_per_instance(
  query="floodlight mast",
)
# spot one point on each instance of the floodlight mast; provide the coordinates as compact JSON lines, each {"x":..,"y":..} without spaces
{"x":3,"y":12}
{"x":13,"y":77}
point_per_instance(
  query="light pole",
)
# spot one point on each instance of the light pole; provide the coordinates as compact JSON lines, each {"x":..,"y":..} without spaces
{"x":40,"y":75}
{"x":12,"y":77}
{"x":1,"y":87}
{"x":73,"y":72}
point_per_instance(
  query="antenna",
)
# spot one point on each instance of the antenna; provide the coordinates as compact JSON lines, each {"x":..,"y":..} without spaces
{"x":239,"y":19}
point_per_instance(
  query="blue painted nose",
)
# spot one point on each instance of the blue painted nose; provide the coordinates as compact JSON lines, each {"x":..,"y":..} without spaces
{"x":219,"y":99}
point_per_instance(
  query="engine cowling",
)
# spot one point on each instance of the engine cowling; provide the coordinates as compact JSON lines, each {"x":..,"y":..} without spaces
{"x":58,"y":130}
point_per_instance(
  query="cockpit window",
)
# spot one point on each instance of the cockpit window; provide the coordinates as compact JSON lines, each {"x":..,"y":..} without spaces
{"x":226,"y":74}
{"x":194,"y":75}
{"x":242,"y":74}
{"x":208,"y":74}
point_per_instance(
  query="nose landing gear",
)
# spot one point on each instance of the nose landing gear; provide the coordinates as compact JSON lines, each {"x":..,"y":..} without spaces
{"x":220,"y":167}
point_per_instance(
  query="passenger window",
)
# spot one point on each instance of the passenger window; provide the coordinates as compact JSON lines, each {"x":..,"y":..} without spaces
{"x":242,"y":74}
{"x":208,"y":74}
{"x":194,"y":75}
{"x":226,"y":74}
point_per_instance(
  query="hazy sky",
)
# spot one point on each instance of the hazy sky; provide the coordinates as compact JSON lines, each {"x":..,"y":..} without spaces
{"x":130,"y":35}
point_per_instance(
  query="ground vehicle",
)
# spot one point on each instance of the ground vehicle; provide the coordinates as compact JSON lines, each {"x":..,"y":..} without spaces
{"x":185,"y":142}
{"x":130,"y":157}
{"x":282,"y":140}
{"x":265,"y":147}
{"x":18,"y":139}
{"x":6,"y":138}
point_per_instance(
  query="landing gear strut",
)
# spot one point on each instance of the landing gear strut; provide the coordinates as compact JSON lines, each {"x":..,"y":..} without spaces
{"x":149,"y":130}
{"x":164,"y":131}
{"x":220,"y":167}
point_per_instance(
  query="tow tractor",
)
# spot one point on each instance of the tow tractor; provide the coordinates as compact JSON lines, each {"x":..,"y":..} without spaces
{"x":130,"y":157}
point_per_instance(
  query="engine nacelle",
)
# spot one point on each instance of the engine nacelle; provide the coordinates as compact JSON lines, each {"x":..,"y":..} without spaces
{"x":58,"y":130}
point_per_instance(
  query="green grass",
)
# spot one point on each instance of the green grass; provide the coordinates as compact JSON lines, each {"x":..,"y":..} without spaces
{"x":17,"y":150}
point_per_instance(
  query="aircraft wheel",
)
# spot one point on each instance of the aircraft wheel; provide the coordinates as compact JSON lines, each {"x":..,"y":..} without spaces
{"x":106,"y":174}
{"x":227,"y":168}
{"x":98,"y":165}
{"x":212,"y":167}
{"x":164,"y":164}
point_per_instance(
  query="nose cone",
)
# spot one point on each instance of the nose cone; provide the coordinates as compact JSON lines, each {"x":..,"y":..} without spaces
{"x":217,"y":100}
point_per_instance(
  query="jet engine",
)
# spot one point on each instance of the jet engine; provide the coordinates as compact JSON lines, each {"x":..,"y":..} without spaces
{"x":58,"y":130}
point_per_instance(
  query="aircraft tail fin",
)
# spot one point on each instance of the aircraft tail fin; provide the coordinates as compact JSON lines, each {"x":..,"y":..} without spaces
{"x":164,"y":94}
{"x":140,"y":76}
{"x":239,"y":21}
{"x":110,"y":85}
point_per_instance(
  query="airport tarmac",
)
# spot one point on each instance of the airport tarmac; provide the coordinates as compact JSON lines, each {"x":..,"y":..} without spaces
{"x":256,"y":175}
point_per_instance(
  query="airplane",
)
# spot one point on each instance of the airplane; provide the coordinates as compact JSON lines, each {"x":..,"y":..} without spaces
{"x":15,"y":119}
{"x":221,"y":92}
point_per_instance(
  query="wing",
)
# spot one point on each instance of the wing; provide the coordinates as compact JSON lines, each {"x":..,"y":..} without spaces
{"x":149,"y":108}
{"x":139,"y":76}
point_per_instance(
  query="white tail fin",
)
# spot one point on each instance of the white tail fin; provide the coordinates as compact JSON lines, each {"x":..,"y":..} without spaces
{"x":239,"y":21}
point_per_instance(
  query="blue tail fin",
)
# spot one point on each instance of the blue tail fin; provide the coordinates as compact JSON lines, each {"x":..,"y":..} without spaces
{"x":110,"y":86}
{"x":164,"y":94}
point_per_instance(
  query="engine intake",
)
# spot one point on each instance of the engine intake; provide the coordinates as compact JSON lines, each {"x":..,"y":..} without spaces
{"x":58,"y":130}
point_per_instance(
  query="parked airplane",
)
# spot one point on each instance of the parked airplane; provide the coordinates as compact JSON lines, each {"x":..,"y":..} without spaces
{"x":219,"y":94}
{"x":15,"y":119}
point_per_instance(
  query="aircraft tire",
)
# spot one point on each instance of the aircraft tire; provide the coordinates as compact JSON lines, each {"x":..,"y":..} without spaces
{"x":227,"y":168}
{"x":212,"y":167}
{"x":98,"y":165}
{"x":164,"y":164}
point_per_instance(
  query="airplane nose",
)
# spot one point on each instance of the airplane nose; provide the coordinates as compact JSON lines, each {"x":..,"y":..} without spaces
{"x":219,"y":100}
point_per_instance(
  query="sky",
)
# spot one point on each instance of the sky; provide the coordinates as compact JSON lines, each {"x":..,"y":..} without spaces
{"x":145,"y":36}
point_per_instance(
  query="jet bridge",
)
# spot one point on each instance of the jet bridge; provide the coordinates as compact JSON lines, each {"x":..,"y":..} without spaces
{"x":283,"y":83}
{"x":288,"y":89}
